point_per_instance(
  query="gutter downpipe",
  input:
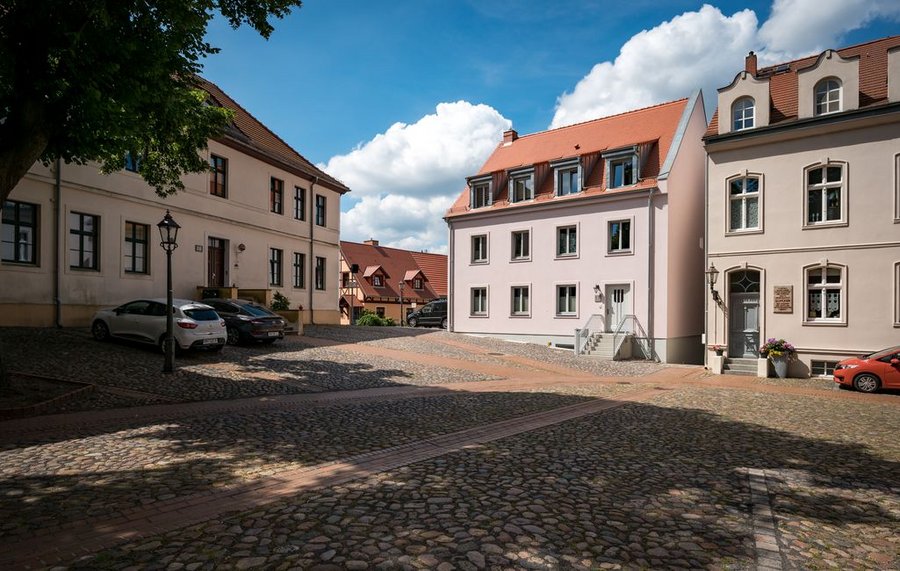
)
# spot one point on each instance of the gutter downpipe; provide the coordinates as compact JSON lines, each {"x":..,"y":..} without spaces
{"x":651,"y":234}
{"x":312,"y":259}
{"x":57,"y":191}
{"x":706,"y":262}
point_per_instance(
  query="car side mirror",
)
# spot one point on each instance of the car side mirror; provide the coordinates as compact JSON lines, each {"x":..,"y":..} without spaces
{"x":895,"y":361}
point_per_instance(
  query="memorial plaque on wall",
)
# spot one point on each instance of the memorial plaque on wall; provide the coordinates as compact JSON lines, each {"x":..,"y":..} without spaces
{"x":784,"y":299}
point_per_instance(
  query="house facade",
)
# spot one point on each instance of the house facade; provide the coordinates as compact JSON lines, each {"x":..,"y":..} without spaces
{"x":803,"y":206}
{"x":389,"y":282}
{"x":593,"y":227}
{"x":264,"y":219}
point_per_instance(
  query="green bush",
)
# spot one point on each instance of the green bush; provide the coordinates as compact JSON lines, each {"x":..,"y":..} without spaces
{"x":371,"y":319}
{"x":280,"y":302}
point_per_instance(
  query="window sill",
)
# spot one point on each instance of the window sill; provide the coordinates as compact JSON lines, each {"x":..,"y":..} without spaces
{"x":480,"y":263}
{"x":519,"y":260}
{"x":825,"y":324}
{"x":478,"y":315}
{"x":13,"y":264}
{"x":618,"y":253}
{"x":136,"y":275}
{"x":520,"y":316}
{"x":566,"y":257}
{"x":78,"y":269}
{"x":747,"y":232}
{"x":566,"y":316}
{"x":836,"y":224}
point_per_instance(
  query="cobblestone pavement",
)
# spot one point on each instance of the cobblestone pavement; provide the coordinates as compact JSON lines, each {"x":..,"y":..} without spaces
{"x":649,"y":482}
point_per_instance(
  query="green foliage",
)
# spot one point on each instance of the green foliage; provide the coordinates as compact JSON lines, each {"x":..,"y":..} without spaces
{"x":92,"y":80}
{"x":371,"y":319}
{"x":280,"y":302}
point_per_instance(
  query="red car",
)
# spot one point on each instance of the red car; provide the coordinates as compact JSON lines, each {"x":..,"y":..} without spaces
{"x":879,"y":370}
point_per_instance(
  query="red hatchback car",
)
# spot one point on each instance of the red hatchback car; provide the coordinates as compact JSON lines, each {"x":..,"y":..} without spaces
{"x":879,"y":370}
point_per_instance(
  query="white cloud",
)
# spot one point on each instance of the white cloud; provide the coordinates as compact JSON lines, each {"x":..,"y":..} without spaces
{"x":398,"y":221}
{"x":801,"y":27}
{"x":705,"y":49}
{"x":427,"y":158}
{"x":670,"y":61}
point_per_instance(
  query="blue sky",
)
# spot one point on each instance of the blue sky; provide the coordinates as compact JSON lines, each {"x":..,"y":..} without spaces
{"x":401,"y":100}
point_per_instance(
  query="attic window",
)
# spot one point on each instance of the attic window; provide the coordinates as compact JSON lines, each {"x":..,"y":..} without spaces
{"x":417,"y":283}
{"x":480,"y":193}
{"x":376,"y":281}
{"x":828,"y":96}
{"x":521,"y":185}
{"x":742,"y":114}
{"x":567,"y":177}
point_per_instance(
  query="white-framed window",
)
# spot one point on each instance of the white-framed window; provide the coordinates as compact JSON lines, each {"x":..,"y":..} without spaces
{"x":567,"y":300}
{"x":520,"y":304}
{"x":521,"y":186}
{"x":622,"y":172}
{"x":897,"y":294}
{"x":828,"y":96}
{"x":479,"y":302}
{"x":743,"y":114}
{"x":825,"y":300}
{"x":897,"y":188}
{"x":566,"y":241}
{"x":521,"y":245}
{"x":417,"y":283}
{"x":619,"y":236}
{"x":567,"y":178}
{"x":822,"y":368}
{"x":480,"y":249}
{"x":481,"y":193}
{"x":825,"y":194}
{"x":744,"y":203}
{"x":377,"y":281}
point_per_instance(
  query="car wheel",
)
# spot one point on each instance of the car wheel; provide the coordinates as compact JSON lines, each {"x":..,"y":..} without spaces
{"x":444,"y":323}
{"x":233,"y":336}
{"x":412,"y":322}
{"x":866,"y":383}
{"x":100,"y":331}
{"x":162,"y":345}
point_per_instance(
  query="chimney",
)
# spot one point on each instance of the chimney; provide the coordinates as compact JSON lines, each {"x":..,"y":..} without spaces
{"x":371,"y":242}
{"x":509,"y":136}
{"x":750,"y":64}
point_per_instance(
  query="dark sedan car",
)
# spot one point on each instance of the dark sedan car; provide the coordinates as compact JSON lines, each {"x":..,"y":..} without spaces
{"x":248,"y":321}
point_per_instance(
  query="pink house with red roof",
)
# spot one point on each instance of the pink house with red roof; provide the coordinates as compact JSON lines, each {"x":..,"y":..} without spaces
{"x":588,"y":236}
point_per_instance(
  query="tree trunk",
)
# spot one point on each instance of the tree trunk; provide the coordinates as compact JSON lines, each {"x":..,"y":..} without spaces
{"x":23,"y":139}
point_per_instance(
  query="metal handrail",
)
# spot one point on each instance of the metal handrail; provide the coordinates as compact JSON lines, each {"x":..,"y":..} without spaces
{"x":637,"y":328}
{"x":583,"y":335}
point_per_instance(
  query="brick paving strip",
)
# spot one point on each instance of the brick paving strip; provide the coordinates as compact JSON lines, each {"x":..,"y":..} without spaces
{"x":765,"y":535}
{"x":85,"y":537}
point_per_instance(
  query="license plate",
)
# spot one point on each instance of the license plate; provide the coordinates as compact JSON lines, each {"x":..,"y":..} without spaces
{"x":210,"y":341}
{"x":272,"y":334}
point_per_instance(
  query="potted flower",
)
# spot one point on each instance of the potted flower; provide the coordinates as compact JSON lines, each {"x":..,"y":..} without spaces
{"x":719,"y":349}
{"x":779,"y":352}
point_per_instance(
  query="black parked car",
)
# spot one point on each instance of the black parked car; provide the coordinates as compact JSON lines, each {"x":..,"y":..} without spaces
{"x":248,"y":321}
{"x":433,"y":314}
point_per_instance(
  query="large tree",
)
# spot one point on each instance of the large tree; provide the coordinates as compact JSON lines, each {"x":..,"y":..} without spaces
{"x":92,"y":80}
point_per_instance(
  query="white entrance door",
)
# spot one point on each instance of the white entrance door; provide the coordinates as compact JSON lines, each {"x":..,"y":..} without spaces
{"x":618,"y":305}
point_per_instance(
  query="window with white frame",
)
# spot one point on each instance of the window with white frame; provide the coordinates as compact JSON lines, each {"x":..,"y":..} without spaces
{"x":417,"y":283}
{"x":521,"y":187}
{"x":566,"y":241}
{"x":822,"y":368}
{"x":825,"y":188}
{"x":479,"y":249}
{"x":519,"y":298}
{"x":481,"y":194}
{"x":479,"y":305}
{"x":566,"y":300}
{"x":521,"y":245}
{"x":828,"y":96}
{"x":743,"y":114}
{"x":743,"y":204}
{"x":622,"y":172}
{"x":568,"y":179}
{"x":825,"y":294}
{"x":376,"y":281}
{"x":897,"y":293}
{"x":619,"y":236}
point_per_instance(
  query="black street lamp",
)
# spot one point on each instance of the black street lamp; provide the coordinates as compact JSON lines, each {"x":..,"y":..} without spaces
{"x":168,"y":235}
{"x":712,"y":275}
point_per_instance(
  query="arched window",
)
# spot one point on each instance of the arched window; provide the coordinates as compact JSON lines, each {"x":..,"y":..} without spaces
{"x":743,"y":114}
{"x":828,"y":96}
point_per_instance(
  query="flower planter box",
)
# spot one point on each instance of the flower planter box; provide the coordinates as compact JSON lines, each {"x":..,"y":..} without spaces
{"x":294,"y":317}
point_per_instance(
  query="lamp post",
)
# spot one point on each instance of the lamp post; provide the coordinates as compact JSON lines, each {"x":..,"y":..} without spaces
{"x":401,"y":284}
{"x":168,"y":235}
{"x":712,"y":274}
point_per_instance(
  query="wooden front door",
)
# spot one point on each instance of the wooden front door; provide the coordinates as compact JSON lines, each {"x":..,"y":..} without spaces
{"x":215,"y":267}
{"x":743,"y":314}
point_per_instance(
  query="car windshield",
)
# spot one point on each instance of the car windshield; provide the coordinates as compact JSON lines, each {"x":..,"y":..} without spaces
{"x":257,"y":310}
{"x":882,"y":353}
{"x":201,"y":314}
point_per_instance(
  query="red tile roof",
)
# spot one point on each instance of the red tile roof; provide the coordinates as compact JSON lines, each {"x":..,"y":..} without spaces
{"x":652,"y":126}
{"x":397,"y":264}
{"x":783,"y":80}
{"x":248,"y":134}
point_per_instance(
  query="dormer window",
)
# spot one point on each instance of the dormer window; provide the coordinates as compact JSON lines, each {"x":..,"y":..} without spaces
{"x":568,"y":177}
{"x":521,"y":186}
{"x":417,"y":283}
{"x":480,"y":193}
{"x":621,"y":170}
{"x":376,"y":281}
{"x":828,"y":96}
{"x":743,"y":114}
